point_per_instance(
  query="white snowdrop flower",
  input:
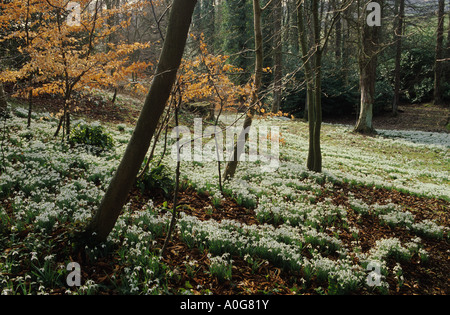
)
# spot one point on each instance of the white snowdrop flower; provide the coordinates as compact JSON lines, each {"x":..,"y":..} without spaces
{"x":34,"y":256}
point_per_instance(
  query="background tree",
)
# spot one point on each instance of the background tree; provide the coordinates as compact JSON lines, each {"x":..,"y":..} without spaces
{"x":368,"y":54}
{"x":204,"y":73}
{"x":447,"y":51}
{"x":236,"y":35}
{"x":65,"y":57}
{"x":309,"y":68}
{"x":204,"y":22}
{"x":3,"y":102}
{"x":398,"y":33}
{"x":312,"y":52}
{"x":278,"y":57}
{"x":257,"y":82}
{"x":439,"y":63}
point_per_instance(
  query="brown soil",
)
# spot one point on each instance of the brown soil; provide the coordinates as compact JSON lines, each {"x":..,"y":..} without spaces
{"x":423,"y":117}
{"x":90,"y":107}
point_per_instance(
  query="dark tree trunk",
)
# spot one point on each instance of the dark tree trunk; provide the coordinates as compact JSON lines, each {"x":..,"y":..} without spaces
{"x":439,"y":63}
{"x":312,"y":64}
{"x":3,"y":103}
{"x":277,"y":52}
{"x":231,"y":167}
{"x":400,"y":10}
{"x":161,"y":87}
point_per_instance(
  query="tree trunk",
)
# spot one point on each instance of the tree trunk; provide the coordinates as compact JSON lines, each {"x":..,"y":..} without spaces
{"x":243,"y":136}
{"x":447,"y":53}
{"x":338,"y":33}
{"x":277,"y":52}
{"x":315,"y":155}
{"x":3,"y":103}
{"x":346,"y":45}
{"x":170,"y":59}
{"x":303,"y":43}
{"x":368,"y":71}
{"x":312,"y":66}
{"x":439,"y":64}
{"x":30,"y":107}
{"x":400,"y":10}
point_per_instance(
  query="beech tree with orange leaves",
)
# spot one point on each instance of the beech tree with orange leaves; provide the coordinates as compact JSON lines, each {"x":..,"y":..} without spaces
{"x":206,"y":77}
{"x":64,"y":55}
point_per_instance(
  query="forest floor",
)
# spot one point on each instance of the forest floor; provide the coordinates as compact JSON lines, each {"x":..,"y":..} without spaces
{"x":187,"y":265}
{"x":422,"y":117}
{"x":430,"y":278}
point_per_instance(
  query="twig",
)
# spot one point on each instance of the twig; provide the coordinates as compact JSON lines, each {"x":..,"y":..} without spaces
{"x":177,"y":183}
{"x":158,"y":21}
{"x":164,"y":124}
{"x":4,"y":116}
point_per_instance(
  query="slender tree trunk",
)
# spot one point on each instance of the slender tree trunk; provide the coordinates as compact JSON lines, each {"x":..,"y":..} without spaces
{"x":312,"y":63}
{"x":315,"y":155}
{"x":277,"y":71}
{"x":439,"y":64}
{"x":303,"y":43}
{"x":231,"y":167}
{"x":3,"y":103}
{"x":177,"y":186}
{"x":338,"y":33}
{"x":447,"y":53}
{"x":170,"y":59}
{"x":367,"y":88}
{"x":114,"y":95}
{"x":368,"y":71}
{"x":400,"y":10}
{"x":30,"y":107}
{"x":30,"y":80}
{"x":346,"y":46}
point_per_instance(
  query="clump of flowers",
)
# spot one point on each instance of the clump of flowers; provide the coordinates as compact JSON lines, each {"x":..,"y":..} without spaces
{"x":428,"y":228}
{"x":221,"y":266}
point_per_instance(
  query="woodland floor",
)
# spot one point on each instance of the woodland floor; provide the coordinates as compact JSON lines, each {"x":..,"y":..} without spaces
{"x":429,"y":279}
{"x":423,"y":117}
{"x":420,"y":279}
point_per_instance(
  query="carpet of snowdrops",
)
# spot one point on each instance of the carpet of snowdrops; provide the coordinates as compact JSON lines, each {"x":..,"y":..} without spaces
{"x":48,"y":188}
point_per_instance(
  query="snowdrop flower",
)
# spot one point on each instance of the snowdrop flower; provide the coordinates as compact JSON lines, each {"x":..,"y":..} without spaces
{"x":34,"y":256}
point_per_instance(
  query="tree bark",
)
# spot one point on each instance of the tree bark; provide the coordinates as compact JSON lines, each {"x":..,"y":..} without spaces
{"x":338,"y":33}
{"x":439,"y":64}
{"x":303,"y":43}
{"x":3,"y":103}
{"x":447,"y":53}
{"x":368,"y":71}
{"x":400,"y":10}
{"x":277,"y":52}
{"x":116,"y":195}
{"x":346,"y":45}
{"x":312,"y":63}
{"x":30,"y":106}
{"x":231,"y":167}
{"x":315,"y":155}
